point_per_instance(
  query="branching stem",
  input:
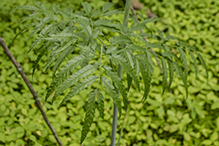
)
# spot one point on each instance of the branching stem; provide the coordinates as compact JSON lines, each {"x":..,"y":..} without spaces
{"x":35,"y":96}
{"x":119,"y":72}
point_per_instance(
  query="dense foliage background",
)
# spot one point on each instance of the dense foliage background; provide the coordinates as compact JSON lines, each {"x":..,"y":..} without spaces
{"x":164,"y":120}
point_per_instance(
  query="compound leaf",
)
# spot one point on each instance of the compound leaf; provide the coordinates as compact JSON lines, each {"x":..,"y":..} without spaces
{"x":62,"y":57}
{"x":122,"y":61}
{"x":40,"y":5}
{"x":64,"y":72}
{"x":171,"y":73}
{"x":106,"y":7}
{"x":100,"y":103}
{"x":153,"y":19}
{"x":74,"y":78}
{"x":146,"y":75}
{"x":169,"y":54}
{"x":164,"y":74}
{"x":89,"y":115}
{"x":113,"y":12}
{"x":182,"y":76}
{"x":129,"y":81}
{"x":203,"y":63}
{"x":43,"y":50}
{"x":118,"y":83}
{"x":79,"y":87}
{"x":109,"y":87}
{"x":195,"y":63}
{"x":86,"y":7}
{"x":184,"y":61}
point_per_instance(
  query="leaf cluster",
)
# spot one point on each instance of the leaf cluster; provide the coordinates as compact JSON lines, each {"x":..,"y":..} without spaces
{"x":78,"y":38}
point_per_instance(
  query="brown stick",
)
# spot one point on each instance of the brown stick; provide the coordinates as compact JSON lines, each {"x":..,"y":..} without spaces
{"x":17,"y":65}
{"x":133,"y":11}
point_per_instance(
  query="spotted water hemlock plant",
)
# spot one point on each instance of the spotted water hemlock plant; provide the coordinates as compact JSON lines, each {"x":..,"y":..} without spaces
{"x":78,"y":37}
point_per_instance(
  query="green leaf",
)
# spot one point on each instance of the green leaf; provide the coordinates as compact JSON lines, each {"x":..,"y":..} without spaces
{"x":146,"y":75}
{"x":192,"y":48}
{"x":69,"y":43}
{"x":65,"y":14}
{"x":89,"y":115}
{"x":62,"y":57}
{"x":106,"y":7}
{"x":180,"y":43}
{"x":40,"y":5}
{"x":79,"y":87}
{"x":113,"y":12}
{"x":37,"y":41}
{"x":169,"y":54}
{"x":55,"y":9}
{"x":86,"y":49}
{"x":52,"y":57}
{"x":122,"y":61}
{"x":182,"y":76}
{"x":95,"y":13}
{"x":64,"y":72}
{"x":43,"y":50}
{"x":100,"y":104}
{"x":135,"y":47}
{"x":171,"y":73}
{"x":160,"y":33}
{"x":32,"y":16}
{"x":118,"y":83}
{"x":215,"y":105}
{"x":149,"y":58}
{"x":74,"y":78}
{"x":105,"y":23}
{"x":206,"y":142}
{"x":85,"y":26}
{"x":34,"y":44}
{"x":169,"y":37}
{"x":134,"y":19}
{"x":36,"y":29}
{"x":138,"y":27}
{"x":153,"y":19}
{"x":166,"y":48}
{"x":51,"y":16}
{"x":164,"y":66}
{"x":86,"y":7}
{"x":195,"y":63}
{"x":129,"y":81}
{"x":153,"y":45}
{"x":120,"y":39}
{"x":25,"y":28}
{"x":129,"y":57}
{"x":203,"y":63}
{"x":136,"y":67}
{"x":184,"y":60}
{"x":25,"y":7}
{"x":109,"y":87}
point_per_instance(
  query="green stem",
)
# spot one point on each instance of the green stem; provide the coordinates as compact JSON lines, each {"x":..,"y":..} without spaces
{"x":119,"y":72}
{"x":122,"y":127}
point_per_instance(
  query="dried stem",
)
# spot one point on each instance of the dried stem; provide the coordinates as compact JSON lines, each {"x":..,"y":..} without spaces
{"x":17,"y":65}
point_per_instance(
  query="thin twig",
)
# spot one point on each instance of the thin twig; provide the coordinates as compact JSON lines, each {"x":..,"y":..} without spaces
{"x":17,"y":65}
{"x":133,"y":11}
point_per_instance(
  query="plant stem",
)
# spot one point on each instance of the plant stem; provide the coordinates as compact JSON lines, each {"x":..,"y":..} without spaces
{"x":35,"y":96}
{"x":119,"y":72}
{"x":122,"y":127}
